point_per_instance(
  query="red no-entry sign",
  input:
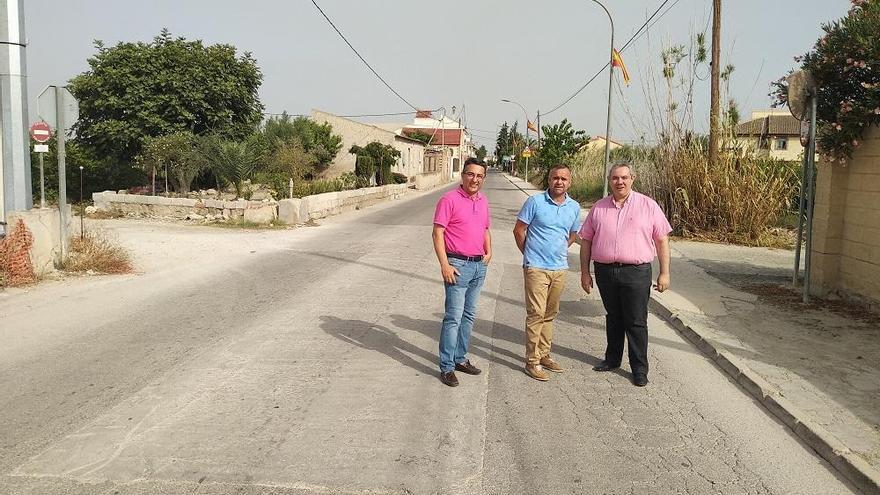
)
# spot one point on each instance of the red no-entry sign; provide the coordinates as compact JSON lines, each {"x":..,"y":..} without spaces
{"x":40,"y":132}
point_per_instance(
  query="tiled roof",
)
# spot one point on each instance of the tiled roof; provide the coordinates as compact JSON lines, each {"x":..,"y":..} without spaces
{"x":773,"y":125}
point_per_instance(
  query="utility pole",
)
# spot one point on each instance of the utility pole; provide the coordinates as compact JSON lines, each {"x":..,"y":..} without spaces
{"x":714,"y":117}
{"x":15,"y":156}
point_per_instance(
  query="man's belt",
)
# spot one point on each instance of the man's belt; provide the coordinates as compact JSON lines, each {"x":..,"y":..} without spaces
{"x":463,"y":257}
{"x":618,"y":264}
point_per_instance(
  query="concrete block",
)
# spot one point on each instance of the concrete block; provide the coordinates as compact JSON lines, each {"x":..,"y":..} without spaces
{"x":45,"y":227}
{"x":264,"y":215}
{"x":783,"y":409}
{"x":293,"y":211}
{"x":186,"y":202}
{"x":859,"y":471}
{"x":819,"y":439}
{"x":214,"y":203}
{"x":728,"y":363}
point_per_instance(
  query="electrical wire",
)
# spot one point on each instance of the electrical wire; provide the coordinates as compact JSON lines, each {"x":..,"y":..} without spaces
{"x":638,"y":33}
{"x":362,"y":58}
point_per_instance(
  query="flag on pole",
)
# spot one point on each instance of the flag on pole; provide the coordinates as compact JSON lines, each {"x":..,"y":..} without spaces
{"x":531,"y":126}
{"x":617,"y":61}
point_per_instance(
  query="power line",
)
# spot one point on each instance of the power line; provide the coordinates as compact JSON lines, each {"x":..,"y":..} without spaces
{"x":362,"y":58}
{"x":389,"y":114}
{"x":599,"y":72}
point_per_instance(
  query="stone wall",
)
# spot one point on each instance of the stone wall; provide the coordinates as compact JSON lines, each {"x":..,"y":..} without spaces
{"x":846,"y":225}
{"x":301,"y":210}
{"x":181,"y":208}
{"x":290,"y":211}
{"x":429,"y":181}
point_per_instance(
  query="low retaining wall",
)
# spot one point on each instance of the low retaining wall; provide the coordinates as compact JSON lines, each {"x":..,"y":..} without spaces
{"x":290,"y":211}
{"x":301,"y":210}
{"x":429,"y":181}
{"x":158,"y":206}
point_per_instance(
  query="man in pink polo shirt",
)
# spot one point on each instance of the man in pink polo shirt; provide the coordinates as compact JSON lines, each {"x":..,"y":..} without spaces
{"x":622,"y":234}
{"x":463,"y":247}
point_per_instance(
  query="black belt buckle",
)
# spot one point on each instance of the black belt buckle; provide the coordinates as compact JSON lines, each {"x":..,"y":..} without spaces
{"x":463,"y":257}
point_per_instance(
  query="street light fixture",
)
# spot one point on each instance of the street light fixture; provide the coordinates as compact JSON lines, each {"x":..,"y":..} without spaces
{"x":527,"y":130}
{"x":608,"y":117}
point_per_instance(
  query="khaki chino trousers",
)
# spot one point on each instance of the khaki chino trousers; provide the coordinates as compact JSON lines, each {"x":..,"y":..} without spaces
{"x":543,"y":290}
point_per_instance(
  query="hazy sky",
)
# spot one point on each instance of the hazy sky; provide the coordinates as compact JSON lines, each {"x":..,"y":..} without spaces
{"x":454,"y":53}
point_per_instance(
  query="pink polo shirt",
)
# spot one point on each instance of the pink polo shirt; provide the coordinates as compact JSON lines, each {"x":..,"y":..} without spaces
{"x":625,"y":234}
{"x":465,"y":219}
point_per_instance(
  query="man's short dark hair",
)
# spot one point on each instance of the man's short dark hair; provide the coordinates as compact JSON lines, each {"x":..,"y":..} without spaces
{"x":558,"y":166}
{"x":474,"y":161}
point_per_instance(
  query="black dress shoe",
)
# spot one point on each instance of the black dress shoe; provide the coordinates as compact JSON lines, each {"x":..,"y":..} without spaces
{"x":467,"y":367}
{"x":640,"y":379}
{"x":449,"y":378}
{"x":605,"y":366}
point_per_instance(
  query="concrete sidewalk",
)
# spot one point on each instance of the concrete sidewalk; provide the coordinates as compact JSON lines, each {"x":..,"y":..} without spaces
{"x":816,"y":367}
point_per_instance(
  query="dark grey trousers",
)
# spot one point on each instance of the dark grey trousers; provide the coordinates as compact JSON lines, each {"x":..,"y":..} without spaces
{"x":625,"y":291}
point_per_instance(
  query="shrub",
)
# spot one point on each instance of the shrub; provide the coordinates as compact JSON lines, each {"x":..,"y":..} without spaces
{"x":98,"y":253}
{"x":738,"y":201}
{"x":398,"y":178}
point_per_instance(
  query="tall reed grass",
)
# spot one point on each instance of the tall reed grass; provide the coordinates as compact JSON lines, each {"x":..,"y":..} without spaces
{"x":741,"y":200}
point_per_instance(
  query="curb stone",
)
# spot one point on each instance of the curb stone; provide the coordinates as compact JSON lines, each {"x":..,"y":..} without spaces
{"x":848,"y":463}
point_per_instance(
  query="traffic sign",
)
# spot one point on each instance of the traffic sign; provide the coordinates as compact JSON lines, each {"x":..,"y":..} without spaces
{"x":40,"y":132}
{"x":526,"y":153}
{"x":47,"y":103}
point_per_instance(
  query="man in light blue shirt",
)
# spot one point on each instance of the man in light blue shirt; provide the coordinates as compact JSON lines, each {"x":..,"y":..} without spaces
{"x":546,"y":226}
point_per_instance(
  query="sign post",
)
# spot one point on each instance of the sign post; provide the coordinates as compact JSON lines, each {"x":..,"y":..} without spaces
{"x":58,"y":107}
{"x":41,"y":133}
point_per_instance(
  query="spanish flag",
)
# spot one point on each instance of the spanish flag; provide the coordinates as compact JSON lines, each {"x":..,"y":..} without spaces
{"x":531,"y":126}
{"x":616,"y":61}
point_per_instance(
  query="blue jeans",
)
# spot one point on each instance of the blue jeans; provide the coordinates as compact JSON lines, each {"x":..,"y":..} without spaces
{"x":461,"y":307}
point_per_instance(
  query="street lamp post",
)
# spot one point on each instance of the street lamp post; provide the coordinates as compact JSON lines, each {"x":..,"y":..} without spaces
{"x":527,"y":131}
{"x":608,"y":117}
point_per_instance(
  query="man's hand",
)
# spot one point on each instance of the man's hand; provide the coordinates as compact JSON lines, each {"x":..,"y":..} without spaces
{"x":587,"y":281}
{"x":662,"y":282}
{"x":486,"y":258}
{"x":449,"y":272}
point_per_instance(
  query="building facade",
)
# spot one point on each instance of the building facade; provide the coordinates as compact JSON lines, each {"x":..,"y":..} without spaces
{"x":773,"y":133}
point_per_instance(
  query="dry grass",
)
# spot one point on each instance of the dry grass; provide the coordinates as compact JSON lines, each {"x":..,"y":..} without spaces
{"x":740,"y":200}
{"x":97,"y":252}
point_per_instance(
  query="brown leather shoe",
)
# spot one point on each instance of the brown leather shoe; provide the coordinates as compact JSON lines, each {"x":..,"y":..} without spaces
{"x":449,"y":379}
{"x":550,"y":365}
{"x":467,"y":367}
{"x":535,"y":371}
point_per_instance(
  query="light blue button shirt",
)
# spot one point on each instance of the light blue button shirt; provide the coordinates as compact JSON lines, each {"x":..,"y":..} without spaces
{"x":550,"y":225}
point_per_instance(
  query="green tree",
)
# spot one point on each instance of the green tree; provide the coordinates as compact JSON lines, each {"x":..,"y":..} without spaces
{"x":316,"y":140}
{"x":419,"y":136}
{"x":233,"y":162}
{"x":382,"y":155}
{"x":174,"y":156}
{"x":482,"y":152}
{"x":133,"y":91}
{"x":560,"y":142}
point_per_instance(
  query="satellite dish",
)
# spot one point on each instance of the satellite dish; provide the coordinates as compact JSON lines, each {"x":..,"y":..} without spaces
{"x":801,"y":86}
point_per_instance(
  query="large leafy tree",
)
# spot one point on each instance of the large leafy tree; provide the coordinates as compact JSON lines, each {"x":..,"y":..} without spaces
{"x":133,"y":91}
{"x":560,"y":141}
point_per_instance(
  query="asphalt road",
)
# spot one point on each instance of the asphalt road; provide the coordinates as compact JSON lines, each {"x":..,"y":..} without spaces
{"x":311,"y":368}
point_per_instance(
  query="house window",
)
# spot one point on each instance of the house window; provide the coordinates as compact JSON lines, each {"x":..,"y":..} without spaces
{"x":781,"y":144}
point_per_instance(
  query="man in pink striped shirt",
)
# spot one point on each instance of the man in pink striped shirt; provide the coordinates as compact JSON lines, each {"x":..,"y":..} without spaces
{"x":622,"y":234}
